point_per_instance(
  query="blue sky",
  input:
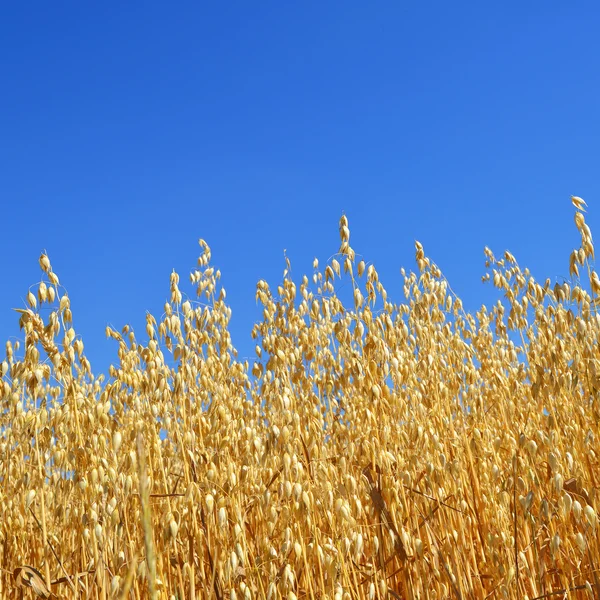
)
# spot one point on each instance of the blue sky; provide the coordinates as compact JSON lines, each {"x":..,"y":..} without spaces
{"x":130,"y":130}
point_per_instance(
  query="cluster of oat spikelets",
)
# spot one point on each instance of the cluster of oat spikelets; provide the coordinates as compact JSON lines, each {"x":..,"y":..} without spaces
{"x":372,"y":450}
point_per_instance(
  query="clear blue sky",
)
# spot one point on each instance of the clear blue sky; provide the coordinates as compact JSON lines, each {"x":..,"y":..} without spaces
{"x":129,"y":130}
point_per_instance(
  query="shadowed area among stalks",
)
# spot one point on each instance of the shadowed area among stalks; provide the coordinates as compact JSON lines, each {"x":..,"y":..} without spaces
{"x":376,"y":447}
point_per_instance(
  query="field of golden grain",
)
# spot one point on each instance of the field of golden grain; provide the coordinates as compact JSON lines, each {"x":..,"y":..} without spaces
{"x":381,"y":448}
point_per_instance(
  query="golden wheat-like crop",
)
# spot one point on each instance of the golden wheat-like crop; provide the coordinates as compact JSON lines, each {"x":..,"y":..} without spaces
{"x":373,"y":449}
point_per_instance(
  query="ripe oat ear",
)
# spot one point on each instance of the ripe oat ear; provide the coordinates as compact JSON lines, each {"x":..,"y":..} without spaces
{"x":27,"y":577}
{"x":578,"y":203}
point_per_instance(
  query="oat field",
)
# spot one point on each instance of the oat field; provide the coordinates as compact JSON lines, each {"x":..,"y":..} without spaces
{"x":375,"y":448}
